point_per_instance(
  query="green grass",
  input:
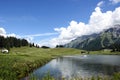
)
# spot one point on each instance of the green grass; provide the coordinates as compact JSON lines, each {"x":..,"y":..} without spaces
{"x":21,"y":61}
{"x":104,"y":52}
{"x":115,"y":76}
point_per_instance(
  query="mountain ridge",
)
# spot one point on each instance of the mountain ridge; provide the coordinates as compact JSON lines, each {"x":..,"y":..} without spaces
{"x":97,"y":41}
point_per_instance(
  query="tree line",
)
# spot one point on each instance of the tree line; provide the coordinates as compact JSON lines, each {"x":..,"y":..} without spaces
{"x":10,"y":42}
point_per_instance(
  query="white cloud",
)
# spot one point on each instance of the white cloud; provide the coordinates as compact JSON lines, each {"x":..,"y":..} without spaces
{"x":2,"y":31}
{"x":116,"y":16}
{"x":100,"y":3}
{"x":12,"y":35}
{"x":43,"y":34}
{"x":45,"y":42}
{"x":29,"y":38}
{"x":97,"y":23}
{"x":115,"y":1}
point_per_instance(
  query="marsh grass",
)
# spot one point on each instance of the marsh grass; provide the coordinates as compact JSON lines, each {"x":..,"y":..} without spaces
{"x":21,"y":61}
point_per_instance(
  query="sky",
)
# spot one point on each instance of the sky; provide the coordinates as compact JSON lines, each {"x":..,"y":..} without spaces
{"x":55,"y":22}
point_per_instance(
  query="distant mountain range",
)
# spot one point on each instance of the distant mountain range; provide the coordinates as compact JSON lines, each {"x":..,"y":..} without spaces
{"x":98,"y":41}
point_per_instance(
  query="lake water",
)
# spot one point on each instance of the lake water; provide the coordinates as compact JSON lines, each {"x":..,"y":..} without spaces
{"x":80,"y":66}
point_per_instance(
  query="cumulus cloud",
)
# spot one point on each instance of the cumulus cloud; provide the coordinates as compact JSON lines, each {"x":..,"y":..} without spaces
{"x":100,"y":3}
{"x":2,"y":31}
{"x":97,"y":23}
{"x":115,"y":1}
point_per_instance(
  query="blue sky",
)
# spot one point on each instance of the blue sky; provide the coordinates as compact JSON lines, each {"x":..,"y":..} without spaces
{"x":38,"y":18}
{"x":41,"y":16}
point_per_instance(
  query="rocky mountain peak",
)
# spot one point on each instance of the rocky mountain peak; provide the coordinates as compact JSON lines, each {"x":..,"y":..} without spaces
{"x":97,"y":41}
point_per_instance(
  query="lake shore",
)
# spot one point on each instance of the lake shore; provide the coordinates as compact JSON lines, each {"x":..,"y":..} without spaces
{"x":21,"y":61}
{"x":79,"y":67}
{"x":103,"y":52}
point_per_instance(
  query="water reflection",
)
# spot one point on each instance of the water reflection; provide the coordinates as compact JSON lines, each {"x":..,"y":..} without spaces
{"x":76,"y":66}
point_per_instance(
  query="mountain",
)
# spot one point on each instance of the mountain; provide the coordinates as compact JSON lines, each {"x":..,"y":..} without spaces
{"x":98,"y":41}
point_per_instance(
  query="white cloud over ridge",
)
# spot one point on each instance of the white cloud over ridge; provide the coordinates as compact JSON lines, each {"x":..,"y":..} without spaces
{"x":97,"y":23}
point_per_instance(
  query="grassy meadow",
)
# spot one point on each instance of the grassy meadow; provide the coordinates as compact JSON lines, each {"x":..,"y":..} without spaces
{"x":104,"y":52}
{"x":21,"y":61}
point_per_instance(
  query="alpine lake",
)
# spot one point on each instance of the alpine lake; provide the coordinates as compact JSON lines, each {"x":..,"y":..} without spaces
{"x":79,"y":66}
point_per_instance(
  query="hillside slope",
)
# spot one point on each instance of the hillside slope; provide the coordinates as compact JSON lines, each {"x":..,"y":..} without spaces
{"x":97,"y":41}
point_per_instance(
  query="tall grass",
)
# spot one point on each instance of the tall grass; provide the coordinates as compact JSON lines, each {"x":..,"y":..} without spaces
{"x":21,"y":61}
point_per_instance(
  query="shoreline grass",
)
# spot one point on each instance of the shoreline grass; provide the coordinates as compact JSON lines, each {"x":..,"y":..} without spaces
{"x":115,"y":76}
{"x":104,"y":52}
{"x":21,"y":61}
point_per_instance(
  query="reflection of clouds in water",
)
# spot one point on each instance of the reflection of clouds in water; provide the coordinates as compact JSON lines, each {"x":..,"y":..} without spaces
{"x":80,"y":66}
{"x":53,"y":64}
{"x":63,"y":66}
{"x":69,"y":67}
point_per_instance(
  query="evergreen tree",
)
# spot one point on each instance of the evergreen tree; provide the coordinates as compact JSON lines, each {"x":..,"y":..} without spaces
{"x":45,"y":47}
{"x":2,"y":42}
{"x":10,"y":42}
